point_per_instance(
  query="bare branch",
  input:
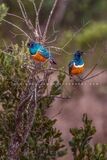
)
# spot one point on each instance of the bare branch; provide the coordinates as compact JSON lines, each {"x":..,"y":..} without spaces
{"x":22,"y":8}
{"x":93,"y":68}
{"x":39,"y":9}
{"x":40,"y":6}
{"x":14,"y":15}
{"x":75,"y":34}
{"x":53,"y":35}
{"x":37,"y":25}
{"x":15,"y":34}
{"x":48,"y":21}
{"x":95,"y":75}
{"x":59,"y":49}
{"x":52,"y":41}
{"x":27,"y":20}
{"x":17,"y":28}
{"x":57,"y":114}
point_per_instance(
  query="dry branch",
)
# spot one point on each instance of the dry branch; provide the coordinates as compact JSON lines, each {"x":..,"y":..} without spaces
{"x":48,"y":21}
{"x":12,"y":24}
{"x":34,"y":91}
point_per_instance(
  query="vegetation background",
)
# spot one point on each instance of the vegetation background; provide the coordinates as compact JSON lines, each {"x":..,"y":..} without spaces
{"x":85,"y":21}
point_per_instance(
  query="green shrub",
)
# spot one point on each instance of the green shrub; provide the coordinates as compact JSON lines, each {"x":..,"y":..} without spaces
{"x":94,"y":33}
{"x":3,"y":11}
{"x":80,"y":144}
{"x":44,"y":140}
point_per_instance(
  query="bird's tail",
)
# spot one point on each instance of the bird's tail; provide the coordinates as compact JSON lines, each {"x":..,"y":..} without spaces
{"x":52,"y":61}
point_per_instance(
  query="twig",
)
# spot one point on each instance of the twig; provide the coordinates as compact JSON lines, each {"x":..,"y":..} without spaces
{"x":95,"y":75}
{"x":17,"y":28}
{"x":38,"y":13}
{"x":14,"y":15}
{"x":53,"y":34}
{"x":74,"y":35}
{"x":53,"y":69}
{"x":52,"y":41}
{"x":59,"y":49}
{"x":23,"y":11}
{"x":40,"y":6}
{"x":25,"y":16}
{"x":93,"y":68}
{"x":60,"y":111}
{"x":37,"y":26}
{"x":15,"y":34}
{"x":48,"y":21}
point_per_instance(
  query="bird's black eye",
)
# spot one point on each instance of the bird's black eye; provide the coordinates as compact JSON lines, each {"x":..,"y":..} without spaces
{"x":31,"y":45}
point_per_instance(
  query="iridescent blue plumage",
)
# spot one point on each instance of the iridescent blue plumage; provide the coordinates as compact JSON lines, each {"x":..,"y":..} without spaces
{"x":77,"y":59}
{"x":35,"y":48}
{"x":76,"y":65}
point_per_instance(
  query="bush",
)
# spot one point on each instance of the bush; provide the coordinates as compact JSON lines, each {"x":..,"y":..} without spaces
{"x":94,"y":33}
{"x":3,"y":11}
{"x":80,"y":144}
{"x":44,"y":140}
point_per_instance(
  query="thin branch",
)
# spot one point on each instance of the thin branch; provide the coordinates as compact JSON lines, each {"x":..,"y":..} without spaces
{"x":15,"y":34}
{"x":59,"y":49}
{"x":40,"y":6}
{"x":53,"y":34}
{"x":75,"y":34}
{"x":37,"y":25}
{"x":52,"y":41}
{"x":25,"y":16}
{"x":48,"y":21}
{"x":14,"y":15}
{"x":39,"y":9}
{"x":95,"y":75}
{"x":57,"y":114}
{"x":22,"y":8}
{"x":17,"y":28}
{"x":93,"y":68}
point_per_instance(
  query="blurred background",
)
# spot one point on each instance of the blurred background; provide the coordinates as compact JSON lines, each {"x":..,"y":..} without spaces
{"x":82,"y":23}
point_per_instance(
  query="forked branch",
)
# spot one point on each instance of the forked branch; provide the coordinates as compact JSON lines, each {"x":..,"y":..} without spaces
{"x":27,"y":20}
{"x":49,"y":19}
{"x":12,"y":24}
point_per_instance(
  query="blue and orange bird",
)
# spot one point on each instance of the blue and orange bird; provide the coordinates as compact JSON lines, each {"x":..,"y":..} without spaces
{"x":39,"y":53}
{"x":76,"y":65}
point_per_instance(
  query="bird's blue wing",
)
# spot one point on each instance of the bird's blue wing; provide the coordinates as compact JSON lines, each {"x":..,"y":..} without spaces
{"x":44,"y":52}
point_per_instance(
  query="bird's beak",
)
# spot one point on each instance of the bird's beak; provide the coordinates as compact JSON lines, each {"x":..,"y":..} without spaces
{"x":83,"y":53}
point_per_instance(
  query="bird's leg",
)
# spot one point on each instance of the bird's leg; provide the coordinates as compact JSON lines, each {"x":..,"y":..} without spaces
{"x":79,"y":78}
{"x":70,"y":77}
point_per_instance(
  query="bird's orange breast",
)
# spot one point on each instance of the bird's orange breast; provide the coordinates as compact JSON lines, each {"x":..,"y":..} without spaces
{"x":39,"y":57}
{"x":76,"y":70}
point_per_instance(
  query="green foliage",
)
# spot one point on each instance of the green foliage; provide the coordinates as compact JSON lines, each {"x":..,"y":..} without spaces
{"x":44,"y":141}
{"x":13,"y":78}
{"x":95,"y":33}
{"x":80,"y":143}
{"x":79,"y":13}
{"x":13,"y":75}
{"x":3,"y":11}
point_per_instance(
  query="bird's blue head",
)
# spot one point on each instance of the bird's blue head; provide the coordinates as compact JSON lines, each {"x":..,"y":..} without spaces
{"x":78,"y":54}
{"x":33,"y":46}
